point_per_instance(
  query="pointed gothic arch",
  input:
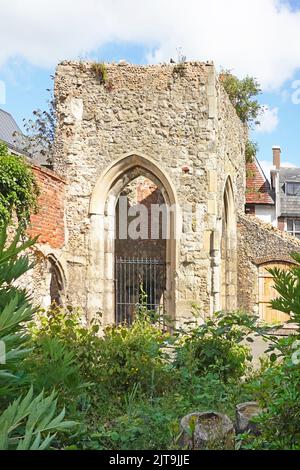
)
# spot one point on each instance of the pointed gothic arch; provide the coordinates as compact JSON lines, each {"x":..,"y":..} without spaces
{"x":101,"y":288}
{"x":228,"y":250}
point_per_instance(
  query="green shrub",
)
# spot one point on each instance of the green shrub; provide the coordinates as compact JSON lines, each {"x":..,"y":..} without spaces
{"x":18,"y":188}
{"x":100,"y":71}
{"x":52,"y":365}
{"x":216,"y":345}
{"x":28,"y":422}
{"x":77,"y":341}
{"x":134,"y":355}
{"x":287,"y":284}
{"x":277,"y":387}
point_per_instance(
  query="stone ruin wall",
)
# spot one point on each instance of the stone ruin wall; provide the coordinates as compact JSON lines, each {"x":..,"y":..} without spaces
{"x":176,"y":121}
{"x":175,"y":118}
{"x":259,"y":243}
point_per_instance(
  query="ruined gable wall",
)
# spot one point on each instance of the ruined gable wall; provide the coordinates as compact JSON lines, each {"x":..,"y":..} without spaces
{"x":177,"y":118}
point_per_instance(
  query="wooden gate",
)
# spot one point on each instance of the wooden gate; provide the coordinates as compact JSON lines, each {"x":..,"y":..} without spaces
{"x":268,"y":293}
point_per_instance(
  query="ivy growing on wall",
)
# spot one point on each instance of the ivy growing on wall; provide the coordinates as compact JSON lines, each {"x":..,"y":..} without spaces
{"x":18,"y":188}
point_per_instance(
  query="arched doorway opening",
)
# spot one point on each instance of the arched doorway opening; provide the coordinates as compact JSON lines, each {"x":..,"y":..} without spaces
{"x":106,"y":247}
{"x":228,"y":250}
{"x":140,"y":249}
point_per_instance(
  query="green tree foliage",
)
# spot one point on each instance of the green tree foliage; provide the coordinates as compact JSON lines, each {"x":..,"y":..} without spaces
{"x":243,"y":95}
{"x":18,"y":188}
{"x":27,"y":422}
{"x":40,"y":132}
{"x":251,"y":151}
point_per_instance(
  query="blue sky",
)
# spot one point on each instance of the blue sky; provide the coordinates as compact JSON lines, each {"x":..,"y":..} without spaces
{"x":37,"y":38}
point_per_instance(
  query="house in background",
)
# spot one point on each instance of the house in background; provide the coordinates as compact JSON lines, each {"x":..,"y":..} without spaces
{"x":260,"y":197}
{"x":276,"y":202}
{"x":11,"y":134}
{"x":286,"y":184}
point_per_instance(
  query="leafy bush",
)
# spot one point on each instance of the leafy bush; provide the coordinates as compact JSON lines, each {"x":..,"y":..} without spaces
{"x":278,"y":392}
{"x":18,"y":188}
{"x":52,"y":365}
{"x":15,"y":308}
{"x":277,"y":388}
{"x":144,"y":422}
{"x":59,"y":333}
{"x":135,"y":355}
{"x":29,"y":422}
{"x":216,"y":345}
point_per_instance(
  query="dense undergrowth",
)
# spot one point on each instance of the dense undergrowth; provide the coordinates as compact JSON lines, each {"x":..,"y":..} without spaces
{"x":127,"y":387}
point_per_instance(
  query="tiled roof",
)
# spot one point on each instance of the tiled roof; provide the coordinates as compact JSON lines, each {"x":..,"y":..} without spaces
{"x":9,"y":127}
{"x":289,"y":204}
{"x":258,"y":189}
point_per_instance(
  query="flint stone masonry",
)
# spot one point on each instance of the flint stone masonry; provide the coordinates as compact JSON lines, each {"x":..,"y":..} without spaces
{"x":155,"y":120}
{"x":259,"y":243}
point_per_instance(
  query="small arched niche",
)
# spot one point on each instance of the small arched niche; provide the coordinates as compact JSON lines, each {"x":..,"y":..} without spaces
{"x":56,"y":282}
{"x":228,"y":250}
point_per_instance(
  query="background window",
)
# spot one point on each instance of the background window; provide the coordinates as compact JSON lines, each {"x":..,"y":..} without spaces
{"x":293,"y":189}
{"x":293,"y":227}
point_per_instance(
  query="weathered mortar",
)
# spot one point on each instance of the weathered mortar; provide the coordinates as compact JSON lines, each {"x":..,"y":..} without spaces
{"x":174,"y":119}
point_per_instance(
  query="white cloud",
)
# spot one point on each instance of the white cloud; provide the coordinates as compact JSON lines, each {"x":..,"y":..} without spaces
{"x":257,"y":37}
{"x":269,"y":120}
{"x":267,"y":166}
{"x":288,"y":165}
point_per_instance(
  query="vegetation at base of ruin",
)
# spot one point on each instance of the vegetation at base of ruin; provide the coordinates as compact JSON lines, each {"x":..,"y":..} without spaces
{"x":18,"y":188}
{"x":251,"y":151}
{"x":128,"y":387}
{"x":28,"y":421}
{"x":38,"y":140}
{"x":220,"y":337}
{"x":277,"y":387}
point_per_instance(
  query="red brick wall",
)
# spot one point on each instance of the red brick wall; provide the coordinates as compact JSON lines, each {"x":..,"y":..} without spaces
{"x":49,"y":222}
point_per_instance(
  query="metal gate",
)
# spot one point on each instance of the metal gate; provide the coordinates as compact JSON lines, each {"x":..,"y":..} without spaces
{"x":138,"y":282}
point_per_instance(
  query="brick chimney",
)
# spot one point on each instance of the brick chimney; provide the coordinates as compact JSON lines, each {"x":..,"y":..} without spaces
{"x":276,"y":156}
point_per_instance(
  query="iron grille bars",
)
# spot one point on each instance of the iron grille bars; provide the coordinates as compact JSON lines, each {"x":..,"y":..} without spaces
{"x":138,"y":281}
